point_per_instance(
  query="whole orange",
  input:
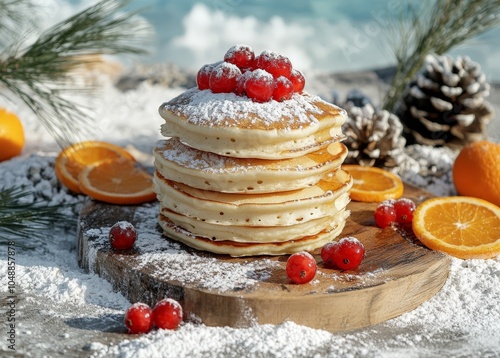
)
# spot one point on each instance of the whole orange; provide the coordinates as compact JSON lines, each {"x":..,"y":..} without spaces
{"x":476,"y":171}
{"x":11,"y":135}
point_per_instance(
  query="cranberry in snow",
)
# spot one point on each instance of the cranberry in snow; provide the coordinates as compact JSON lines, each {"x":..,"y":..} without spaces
{"x":139,"y":318}
{"x":167,"y":314}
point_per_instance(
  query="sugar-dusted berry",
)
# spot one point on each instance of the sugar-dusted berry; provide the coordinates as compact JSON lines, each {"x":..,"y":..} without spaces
{"x":240,"y":55}
{"x":385,"y":214}
{"x":122,"y":235}
{"x":203,"y":76}
{"x":298,"y":80}
{"x":404,"y":209}
{"x":283,"y":89}
{"x":139,"y":318}
{"x":274,"y":63}
{"x":167,"y":314}
{"x":224,"y":77}
{"x":328,"y":252}
{"x":259,"y":86}
{"x":349,"y":253}
{"x":301,"y":267}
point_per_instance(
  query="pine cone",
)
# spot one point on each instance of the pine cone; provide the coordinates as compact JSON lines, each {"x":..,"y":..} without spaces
{"x":445,"y":104}
{"x":373,"y":136}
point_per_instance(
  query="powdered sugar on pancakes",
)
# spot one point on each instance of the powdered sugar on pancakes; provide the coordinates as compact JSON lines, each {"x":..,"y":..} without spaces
{"x":207,"y":109}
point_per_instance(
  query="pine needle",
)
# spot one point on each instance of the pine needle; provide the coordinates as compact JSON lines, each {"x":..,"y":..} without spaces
{"x":27,"y":222}
{"x":38,"y":73}
{"x":419,"y":30}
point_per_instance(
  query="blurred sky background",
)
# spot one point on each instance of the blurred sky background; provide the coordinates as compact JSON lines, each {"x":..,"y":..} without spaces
{"x":317,"y":35}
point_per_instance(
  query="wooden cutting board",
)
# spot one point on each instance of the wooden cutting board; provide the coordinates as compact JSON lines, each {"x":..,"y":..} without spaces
{"x":397,"y":275}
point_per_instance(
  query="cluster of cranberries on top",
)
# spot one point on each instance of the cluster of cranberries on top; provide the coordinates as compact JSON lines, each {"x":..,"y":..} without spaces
{"x":261,"y":78}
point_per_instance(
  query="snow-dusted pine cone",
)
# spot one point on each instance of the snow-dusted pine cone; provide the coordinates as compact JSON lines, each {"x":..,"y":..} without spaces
{"x":445,"y":104}
{"x":374,"y":137}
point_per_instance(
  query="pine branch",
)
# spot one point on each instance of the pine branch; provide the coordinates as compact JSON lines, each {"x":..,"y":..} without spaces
{"x":437,"y":29}
{"x":38,"y":73}
{"x":28,"y":221}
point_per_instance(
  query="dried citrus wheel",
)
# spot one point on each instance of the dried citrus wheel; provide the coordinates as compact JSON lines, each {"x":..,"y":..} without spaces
{"x":117,"y":181}
{"x":11,"y":135}
{"x":373,"y":184}
{"x":462,"y":226}
{"x":476,"y":171}
{"x":71,"y":161}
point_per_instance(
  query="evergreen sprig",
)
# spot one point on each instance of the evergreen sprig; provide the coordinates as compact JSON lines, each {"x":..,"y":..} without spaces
{"x":27,"y":220}
{"x":419,"y":30}
{"x":37,"y":73}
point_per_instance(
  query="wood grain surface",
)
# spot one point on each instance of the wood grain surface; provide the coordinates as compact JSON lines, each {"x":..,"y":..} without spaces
{"x":397,"y":275}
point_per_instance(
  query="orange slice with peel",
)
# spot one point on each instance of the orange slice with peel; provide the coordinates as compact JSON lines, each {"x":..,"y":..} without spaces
{"x":461,"y":226}
{"x":117,"y":181}
{"x":373,"y":184}
{"x":73,"y":159}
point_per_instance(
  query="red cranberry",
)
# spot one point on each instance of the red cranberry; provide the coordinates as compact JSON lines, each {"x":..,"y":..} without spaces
{"x":274,"y":63}
{"x":224,"y":77}
{"x":259,"y":86}
{"x":240,"y":55}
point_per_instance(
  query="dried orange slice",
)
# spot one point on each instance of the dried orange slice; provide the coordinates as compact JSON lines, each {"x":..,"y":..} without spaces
{"x":373,"y":184}
{"x":117,"y":181}
{"x":462,"y":226}
{"x":73,"y":159}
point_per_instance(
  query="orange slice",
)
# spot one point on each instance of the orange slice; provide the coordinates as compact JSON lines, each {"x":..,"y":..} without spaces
{"x":117,"y":181}
{"x":461,"y":226}
{"x":71,"y":161}
{"x":373,"y":184}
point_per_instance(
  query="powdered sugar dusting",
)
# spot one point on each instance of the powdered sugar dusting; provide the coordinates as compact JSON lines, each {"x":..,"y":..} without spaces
{"x":168,"y":260}
{"x":206,"y":108}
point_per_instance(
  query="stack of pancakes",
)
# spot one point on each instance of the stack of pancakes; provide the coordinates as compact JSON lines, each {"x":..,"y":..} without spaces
{"x":243,"y":178}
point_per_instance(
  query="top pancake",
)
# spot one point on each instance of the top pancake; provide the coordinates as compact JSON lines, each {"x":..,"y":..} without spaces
{"x":232,"y":125}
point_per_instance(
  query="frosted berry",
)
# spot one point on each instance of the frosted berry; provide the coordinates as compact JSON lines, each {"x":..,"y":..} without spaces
{"x":240,"y":85}
{"x":328,"y":252}
{"x":139,"y":318}
{"x":167,"y":314}
{"x":122,"y":235}
{"x":203,"y":76}
{"x":385,"y":214}
{"x":259,"y":86}
{"x":301,"y":267}
{"x":283,"y":89}
{"x":298,"y":81}
{"x":224,"y":77}
{"x":349,"y":253}
{"x":241,"y":56}
{"x":274,"y":63}
{"x":404,"y":209}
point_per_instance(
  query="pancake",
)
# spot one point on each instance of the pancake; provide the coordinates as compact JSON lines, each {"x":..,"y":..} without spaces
{"x":326,"y":198}
{"x":180,"y":163}
{"x":238,"y":249}
{"x":255,"y":234}
{"x":235,"y":126}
